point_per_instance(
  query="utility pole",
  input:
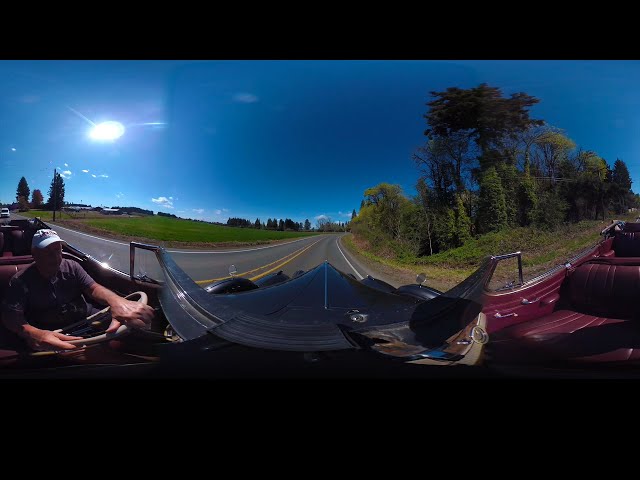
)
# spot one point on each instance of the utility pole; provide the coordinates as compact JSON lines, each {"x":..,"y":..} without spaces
{"x":54,"y":195}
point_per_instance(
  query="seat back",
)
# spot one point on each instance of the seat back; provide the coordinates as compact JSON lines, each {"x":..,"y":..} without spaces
{"x":627,"y":244}
{"x":19,"y":243}
{"x":606,"y":290}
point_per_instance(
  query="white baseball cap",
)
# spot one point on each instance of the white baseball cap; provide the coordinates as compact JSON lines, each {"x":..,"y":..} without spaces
{"x":44,"y":237}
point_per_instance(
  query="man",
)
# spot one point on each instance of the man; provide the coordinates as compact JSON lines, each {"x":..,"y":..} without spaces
{"x":47,"y":296}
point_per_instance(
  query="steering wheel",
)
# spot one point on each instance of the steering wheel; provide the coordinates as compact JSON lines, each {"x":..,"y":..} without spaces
{"x":94,"y":320}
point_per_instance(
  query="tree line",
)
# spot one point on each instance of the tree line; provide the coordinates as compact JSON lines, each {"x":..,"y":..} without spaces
{"x":270,"y":224}
{"x":56,"y":192}
{"x":486,"y":165}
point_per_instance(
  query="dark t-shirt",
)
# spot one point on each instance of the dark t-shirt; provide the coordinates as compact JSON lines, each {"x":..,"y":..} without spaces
{"x":50,"y":303}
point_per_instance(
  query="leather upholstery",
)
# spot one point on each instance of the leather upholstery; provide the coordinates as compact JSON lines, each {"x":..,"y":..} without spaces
{"x":600,"y":321}
{"x":627,"y":244}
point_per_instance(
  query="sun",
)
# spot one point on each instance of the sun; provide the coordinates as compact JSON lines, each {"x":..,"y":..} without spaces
{"x":107,"y":131}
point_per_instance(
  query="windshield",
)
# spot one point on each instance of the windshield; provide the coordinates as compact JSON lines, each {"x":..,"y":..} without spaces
{"x":380,"y":168}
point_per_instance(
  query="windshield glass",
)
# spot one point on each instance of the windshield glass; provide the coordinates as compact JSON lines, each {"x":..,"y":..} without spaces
{"x":381,"y":168}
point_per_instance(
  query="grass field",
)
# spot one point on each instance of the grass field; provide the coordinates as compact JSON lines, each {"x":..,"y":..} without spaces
{"x":165,"y":229}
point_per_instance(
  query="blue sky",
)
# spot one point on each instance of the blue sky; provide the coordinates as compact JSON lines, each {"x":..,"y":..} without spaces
{"x":285,"y":139}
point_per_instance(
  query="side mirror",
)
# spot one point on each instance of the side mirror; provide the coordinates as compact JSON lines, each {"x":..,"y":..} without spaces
{"x":232,"y":270}
{"x":421,"y":278}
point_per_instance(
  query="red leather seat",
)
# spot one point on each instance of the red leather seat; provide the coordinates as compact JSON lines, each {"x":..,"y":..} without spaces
{"x":600,"y":321}
{"x":631,"y":227}
{"x":604,"y":289}
{"x":627,"y":244}
{"x":568,"y":336}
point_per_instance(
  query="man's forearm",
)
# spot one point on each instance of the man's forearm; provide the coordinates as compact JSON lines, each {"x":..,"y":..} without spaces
{"x":17,"y":323}
{"x":105,"y":296}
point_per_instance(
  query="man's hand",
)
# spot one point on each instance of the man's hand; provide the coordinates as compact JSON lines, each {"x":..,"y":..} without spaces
{"x":132,"y":314}
{"x":39,"y":339}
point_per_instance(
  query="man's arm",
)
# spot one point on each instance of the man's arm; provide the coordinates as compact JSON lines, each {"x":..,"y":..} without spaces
{"x":36,"y":338}
{"x":132,"y":314}
{"x":13,"y":317}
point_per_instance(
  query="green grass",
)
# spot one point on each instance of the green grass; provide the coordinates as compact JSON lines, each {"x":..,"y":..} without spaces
{"x":171,"y":229}
{"x":48,"y":216}
{"x":541,"y":250}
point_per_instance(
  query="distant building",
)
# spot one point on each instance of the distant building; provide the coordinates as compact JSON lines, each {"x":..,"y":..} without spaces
{"x":111,"y":211}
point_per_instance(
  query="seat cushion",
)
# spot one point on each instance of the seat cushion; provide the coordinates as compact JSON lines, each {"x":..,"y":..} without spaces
{"x":567,"y":336}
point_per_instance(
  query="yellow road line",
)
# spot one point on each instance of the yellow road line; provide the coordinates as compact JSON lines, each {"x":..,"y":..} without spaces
{"x":249,"y":271}
{"x":294,"y":253}
{"x":282,"y":264}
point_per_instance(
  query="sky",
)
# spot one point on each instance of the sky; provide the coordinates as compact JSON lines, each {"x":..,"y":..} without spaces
{"x":263,"y":139}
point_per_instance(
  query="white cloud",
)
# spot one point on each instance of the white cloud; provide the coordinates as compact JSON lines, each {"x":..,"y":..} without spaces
{"x":225,"y":210}
{"x":93,"y":175}
{"x":86,"y":171}
{"x":29,"y":99}
{"x":66,"y":174}
{"x":119,"y":195}
{"x":217,"y":212}
{"x":66,"y":164}
{"x":103,"y":176}
{"x":163,"y":202}
{"x":197,"y":210}
{"x":245,"y":98}
{"x":345,"y":214}
{"x":322,"y":217}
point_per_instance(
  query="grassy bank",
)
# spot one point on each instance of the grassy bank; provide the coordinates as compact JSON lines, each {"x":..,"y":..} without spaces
{"x":541,"y":250}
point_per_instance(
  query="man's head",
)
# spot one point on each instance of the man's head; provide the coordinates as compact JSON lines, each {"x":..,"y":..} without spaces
{"x":46,"y":248}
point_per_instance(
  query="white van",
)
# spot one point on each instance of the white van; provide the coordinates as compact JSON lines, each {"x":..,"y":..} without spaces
{"x":4,"y":213}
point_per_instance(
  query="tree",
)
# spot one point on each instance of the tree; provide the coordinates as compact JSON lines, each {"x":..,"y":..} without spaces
{"x":386,"y":199}
{"x":24,"y":204}
{"x":482,"y":114}
{"x":492,"y":211}
{"x":462,"y":228}
{"x":56,"y":193}
{"x":23,"y":189}
{"x":36,"y":198}
{"x":554,"y":147}
{"x":621,"y":175}
{"x":323,"y":224}
{"x":307,"y":224}
{"x":620,"y":191}
{"x":353,"y":214}
{"x":281,"y":225}
{"x":257,"y":223}
{"x":527,"y":199}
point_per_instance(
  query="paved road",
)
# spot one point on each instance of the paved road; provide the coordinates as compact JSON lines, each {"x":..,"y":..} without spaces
{"x":205,"y":267}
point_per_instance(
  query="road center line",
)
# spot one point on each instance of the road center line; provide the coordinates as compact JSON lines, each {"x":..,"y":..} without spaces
{"x":294,"y":253}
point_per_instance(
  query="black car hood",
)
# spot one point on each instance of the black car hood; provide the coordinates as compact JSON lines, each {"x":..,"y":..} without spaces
{"x":324,"y":295}
{"x":309,"y":312}
{"x":323,"y":309}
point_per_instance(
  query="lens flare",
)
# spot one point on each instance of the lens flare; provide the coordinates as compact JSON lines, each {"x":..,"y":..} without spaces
{"x":107,"y":131}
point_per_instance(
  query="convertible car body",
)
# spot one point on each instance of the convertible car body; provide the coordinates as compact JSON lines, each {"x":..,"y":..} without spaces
{"x":579,"y":316}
